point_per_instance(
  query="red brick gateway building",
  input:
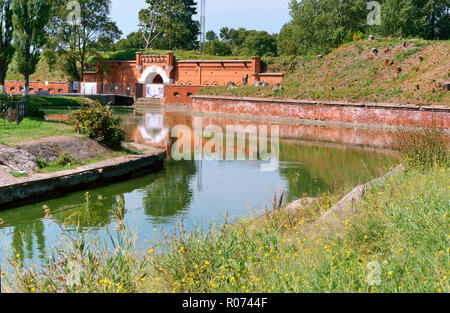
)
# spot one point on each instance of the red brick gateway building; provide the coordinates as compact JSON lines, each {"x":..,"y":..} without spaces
{"x":163,"y":76}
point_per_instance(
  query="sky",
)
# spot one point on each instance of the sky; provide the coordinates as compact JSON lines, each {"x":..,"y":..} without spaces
{"x":268,"y":15}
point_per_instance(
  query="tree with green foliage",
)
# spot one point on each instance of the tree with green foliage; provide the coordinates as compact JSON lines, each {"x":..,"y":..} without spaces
{"x":169,"y":24}
{"x":428,"y":19}
{"x":6,"y":37}
{"x":224,"y":34}
{"x":260,"y":44}
{"x":211,"y":36}
{"x":216,"y":47}
{"x":79,"y":38}
{"x":318,"y":26}
{"x":134,"y":40}
{"x":153,"y":20}
{"x":30,"y":18}
{"x":249,"y":42}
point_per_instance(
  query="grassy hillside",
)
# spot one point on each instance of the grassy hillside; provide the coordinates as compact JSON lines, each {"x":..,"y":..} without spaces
{"x":410,"y":74}
{"x":43,"y":73}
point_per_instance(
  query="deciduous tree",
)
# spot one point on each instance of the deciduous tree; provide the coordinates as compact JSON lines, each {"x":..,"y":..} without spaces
{"x":169,"y":24}
{"x":30,"y":18}
{"x":211,"y":36}
{"x":6,"y":37}
{"x":79,"y":38}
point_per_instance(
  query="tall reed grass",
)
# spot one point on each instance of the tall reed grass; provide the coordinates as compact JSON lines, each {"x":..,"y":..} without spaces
{"x":423,"y":147}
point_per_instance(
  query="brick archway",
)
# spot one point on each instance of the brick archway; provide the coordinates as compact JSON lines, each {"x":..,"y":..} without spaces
{"x":151,"y":73}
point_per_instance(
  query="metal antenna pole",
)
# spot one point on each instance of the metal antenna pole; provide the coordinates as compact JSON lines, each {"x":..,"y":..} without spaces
{"x":203,"y":22}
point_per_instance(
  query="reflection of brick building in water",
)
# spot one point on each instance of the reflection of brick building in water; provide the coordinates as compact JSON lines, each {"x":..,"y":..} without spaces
{"x":156,"y":76}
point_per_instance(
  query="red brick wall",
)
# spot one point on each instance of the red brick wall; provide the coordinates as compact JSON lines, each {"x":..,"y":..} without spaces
{"x":271,"y":78}
{"x":180,"y":94}
{"x":332,"y":112}
{"x":192,"y":72}
{"x":213,"y":73}
{"x":122,"y":73}
{"x":17,"y":87}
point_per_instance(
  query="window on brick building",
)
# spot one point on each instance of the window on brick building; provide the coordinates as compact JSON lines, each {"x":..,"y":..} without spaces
{"x":176,"y":94}
{"x":189,"y":94}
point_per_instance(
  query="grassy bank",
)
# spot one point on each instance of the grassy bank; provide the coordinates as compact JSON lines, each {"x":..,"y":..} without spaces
{"x":379,"y":71}
{"x":403,"y":229}
{"x":50,"y":101}
{"x":67,"y":162}
{"x":31,"y":129}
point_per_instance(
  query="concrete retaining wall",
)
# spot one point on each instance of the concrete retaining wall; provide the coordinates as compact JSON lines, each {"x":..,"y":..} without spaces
{"x":45,"y":186}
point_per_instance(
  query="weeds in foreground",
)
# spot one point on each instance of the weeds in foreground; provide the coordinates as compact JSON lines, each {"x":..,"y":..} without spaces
{"x":399,"y":243}
{"x":80,"y":262}
{"x":403,"y":229}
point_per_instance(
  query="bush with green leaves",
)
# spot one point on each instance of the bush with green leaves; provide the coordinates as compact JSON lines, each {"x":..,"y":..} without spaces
{"x":98,"y":122}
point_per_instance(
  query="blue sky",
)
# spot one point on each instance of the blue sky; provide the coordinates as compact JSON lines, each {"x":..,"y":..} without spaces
{"x":268,"y":15}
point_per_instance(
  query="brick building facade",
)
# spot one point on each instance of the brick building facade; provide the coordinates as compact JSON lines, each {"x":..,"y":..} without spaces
{"x":142,"y":77}
{"x":52,"y":88}
{"x":156,"y":76}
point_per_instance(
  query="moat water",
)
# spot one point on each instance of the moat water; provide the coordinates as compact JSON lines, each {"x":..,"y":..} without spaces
{"x":200,"y":192}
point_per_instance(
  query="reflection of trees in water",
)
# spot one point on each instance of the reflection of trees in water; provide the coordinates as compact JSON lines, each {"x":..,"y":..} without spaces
{"x":172,"y":193}
{"x":93,"y":214}
{"x":301,"y":181}
{"x":328,"y":168}
{"x":22,"y":239}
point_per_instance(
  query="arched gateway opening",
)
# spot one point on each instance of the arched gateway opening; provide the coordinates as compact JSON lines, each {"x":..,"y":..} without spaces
{"x":158,"y":80}
{"x":153,"y":79}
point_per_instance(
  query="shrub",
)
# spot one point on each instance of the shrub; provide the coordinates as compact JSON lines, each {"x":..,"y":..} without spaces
{"x":35,"y":111}
{"x":217,"y":48}
{"x":98,"y":122}
{"x":423,"y":147}
{"x":64,"y":160}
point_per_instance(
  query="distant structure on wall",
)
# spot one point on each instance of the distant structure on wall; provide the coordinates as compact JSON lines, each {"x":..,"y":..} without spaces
{"x":148,"y":75}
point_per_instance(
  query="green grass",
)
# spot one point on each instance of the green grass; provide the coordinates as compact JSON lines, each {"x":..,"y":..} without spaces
{"x":403,"y":230}
{"x":31,"y":129}
{"x":67,"y":162}
{"x":354,"y":73}
{"x":403,"y":227}
{"x":19,"y":175}
{"x":49,"y":101}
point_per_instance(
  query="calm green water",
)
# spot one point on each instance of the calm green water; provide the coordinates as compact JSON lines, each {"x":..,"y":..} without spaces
{"x":197,"y":190}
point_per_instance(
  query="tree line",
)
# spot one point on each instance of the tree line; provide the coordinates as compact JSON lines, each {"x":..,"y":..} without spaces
{"x":70,"y":34}
{"x":66,"y":33}
{"x":318,"y":26}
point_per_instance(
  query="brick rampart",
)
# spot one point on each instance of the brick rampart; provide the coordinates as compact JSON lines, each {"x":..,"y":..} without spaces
{"x":371,"y":114}
{"x":53,"y":88}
